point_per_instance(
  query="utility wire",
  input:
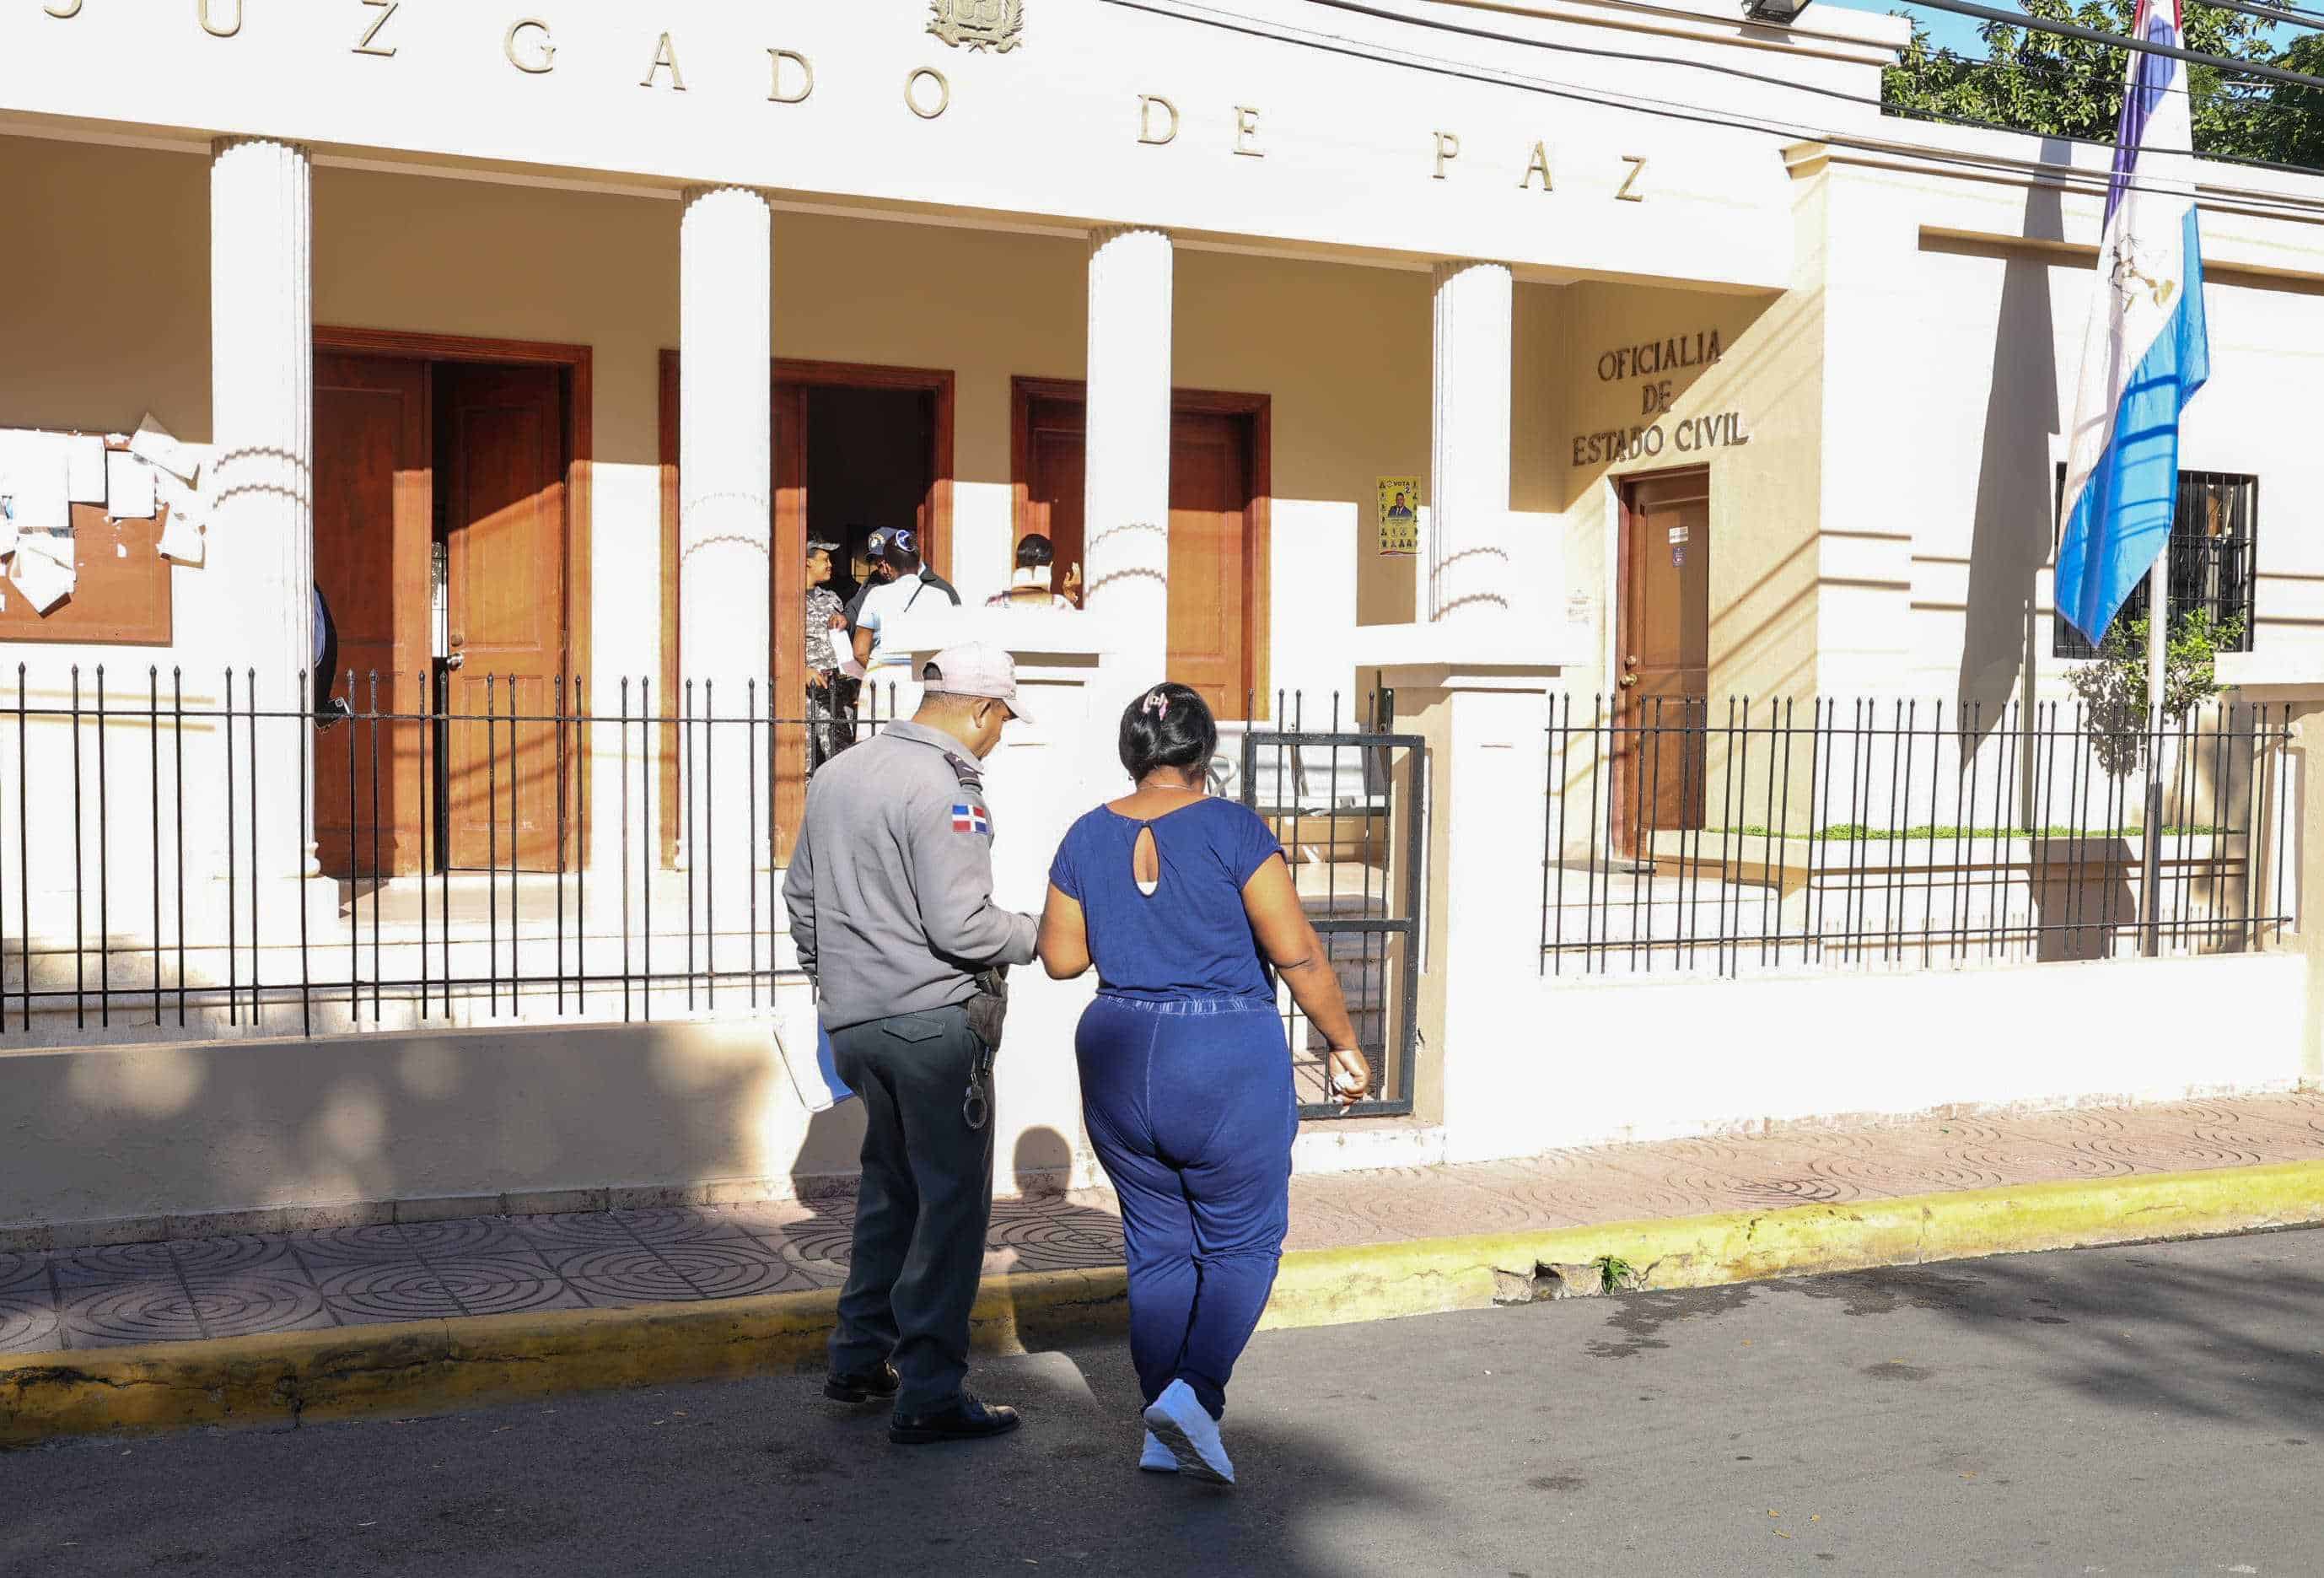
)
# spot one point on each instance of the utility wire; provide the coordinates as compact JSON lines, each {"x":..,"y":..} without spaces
{"x":1493,"y":35}
{"x":2075,"y":30}
{"x":2290,"y":15}
{"x":1189,"y":11}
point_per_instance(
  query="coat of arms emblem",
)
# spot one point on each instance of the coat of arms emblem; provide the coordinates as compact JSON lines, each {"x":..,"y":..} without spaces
{"x":995,"y":24}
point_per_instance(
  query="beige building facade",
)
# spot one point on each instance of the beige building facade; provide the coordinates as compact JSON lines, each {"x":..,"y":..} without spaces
{"x":544,"y":341}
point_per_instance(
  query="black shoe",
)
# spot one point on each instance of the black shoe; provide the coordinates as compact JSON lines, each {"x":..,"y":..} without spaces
{"x":863,"y":1385}
{"x":966,"y":1420}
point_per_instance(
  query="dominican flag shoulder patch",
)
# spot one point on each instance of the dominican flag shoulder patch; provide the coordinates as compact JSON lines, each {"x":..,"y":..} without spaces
{"x":970,"y":818}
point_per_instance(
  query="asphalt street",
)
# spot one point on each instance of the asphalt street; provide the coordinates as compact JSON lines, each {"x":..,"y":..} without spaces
{"x":2156,"y":1410}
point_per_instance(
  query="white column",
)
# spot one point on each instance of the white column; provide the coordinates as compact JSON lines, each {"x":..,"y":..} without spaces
{"x":1125,"y":568}
{"x":262,"y":531}
{"x":1469,"y":560}
{"x":725,"y":526}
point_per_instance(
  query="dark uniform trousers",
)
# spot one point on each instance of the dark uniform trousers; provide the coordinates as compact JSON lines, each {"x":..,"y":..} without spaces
{"x":926,"y":1202}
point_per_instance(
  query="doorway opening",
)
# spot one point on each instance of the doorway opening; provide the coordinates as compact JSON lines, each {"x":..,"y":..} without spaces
{"x":1220,"y":484}
{"x":870,"y":466}
{"x":1663,"y":657}
{"x":856,"y":449}
{"x":445,"y":472}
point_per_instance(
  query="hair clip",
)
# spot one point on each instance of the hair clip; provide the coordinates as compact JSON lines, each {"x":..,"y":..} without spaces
{"x":1158,"y":704}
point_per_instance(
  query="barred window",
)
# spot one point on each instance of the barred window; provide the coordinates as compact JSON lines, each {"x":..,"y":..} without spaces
{"x":2213,"y":559}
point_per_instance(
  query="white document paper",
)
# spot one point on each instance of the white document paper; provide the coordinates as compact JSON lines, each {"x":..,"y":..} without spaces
{"x":85,"y":471}
{"x":32,"y":475}
{"x":153,"y":442}
{"x":129,"y":494}
{"x":44,"y":580}
{"x":181,"y":533}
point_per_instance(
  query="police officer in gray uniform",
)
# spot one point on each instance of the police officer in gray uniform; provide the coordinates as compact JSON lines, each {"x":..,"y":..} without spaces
{"x":890,"y":899}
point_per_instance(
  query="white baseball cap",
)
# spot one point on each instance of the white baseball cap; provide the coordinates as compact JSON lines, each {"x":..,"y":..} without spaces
{"x":975,"y":669}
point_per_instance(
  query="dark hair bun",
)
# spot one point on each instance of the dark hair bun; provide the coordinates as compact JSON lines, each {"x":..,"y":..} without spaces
{"x":1035,"y":551}
{"x":1168,"y":726}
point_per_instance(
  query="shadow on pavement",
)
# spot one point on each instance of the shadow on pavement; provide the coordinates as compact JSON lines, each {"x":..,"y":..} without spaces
{"x":2178,"y":1336}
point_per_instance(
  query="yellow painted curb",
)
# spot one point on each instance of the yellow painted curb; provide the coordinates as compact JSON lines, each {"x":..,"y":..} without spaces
{"x":427,"y":1367}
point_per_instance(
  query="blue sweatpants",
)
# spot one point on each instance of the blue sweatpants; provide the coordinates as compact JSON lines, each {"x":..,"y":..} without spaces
{"x":1189,"y":1103}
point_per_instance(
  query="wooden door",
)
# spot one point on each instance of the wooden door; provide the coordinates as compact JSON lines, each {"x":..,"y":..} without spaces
{"x":503,"y":517}
{"x":373,"y":527}
{"x":1664,"y":666}
{"x":787,"y":616}
{"x":1210,"y":568}
{"x":1057,"y":441}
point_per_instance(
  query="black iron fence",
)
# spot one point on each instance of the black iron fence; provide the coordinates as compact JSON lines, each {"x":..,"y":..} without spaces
{"x":192,"y":853}
{"x":1344,"y":795}
{"x":205,"y":855}
{"x":1867,"y":834}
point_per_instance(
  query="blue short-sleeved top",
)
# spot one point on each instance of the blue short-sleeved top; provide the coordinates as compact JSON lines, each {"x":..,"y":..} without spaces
{"x":1191,"y":938}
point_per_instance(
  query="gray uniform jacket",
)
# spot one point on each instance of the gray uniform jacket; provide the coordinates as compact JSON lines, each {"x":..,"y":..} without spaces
{"x":891,"y":887}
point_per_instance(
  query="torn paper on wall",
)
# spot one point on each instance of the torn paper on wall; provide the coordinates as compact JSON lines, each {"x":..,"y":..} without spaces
{"x":129,"y":493}
{"x":44,"y":578}
{"x":152,"y":442}
{"x":34,"y":465}
{"x":183,"y":537}
{"x":7,"y":520}
{"x":85,"y":471}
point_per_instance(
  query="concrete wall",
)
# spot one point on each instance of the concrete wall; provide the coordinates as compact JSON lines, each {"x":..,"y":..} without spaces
{"x":112,"y":1141}
{"x":1659,"y":1061}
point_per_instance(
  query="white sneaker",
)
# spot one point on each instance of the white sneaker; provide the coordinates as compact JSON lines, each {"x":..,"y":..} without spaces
{"x":1156,"y":1459}
{"x":1190,"y":1432}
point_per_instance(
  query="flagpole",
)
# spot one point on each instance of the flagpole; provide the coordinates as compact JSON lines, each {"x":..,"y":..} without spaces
{"x":2158,"y":643}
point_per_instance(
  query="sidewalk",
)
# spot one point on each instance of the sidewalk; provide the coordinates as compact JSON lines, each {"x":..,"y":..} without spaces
{"x":303,"y":1299}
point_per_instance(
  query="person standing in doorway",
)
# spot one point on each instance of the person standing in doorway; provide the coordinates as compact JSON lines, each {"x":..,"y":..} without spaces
{"x":1186,"y":905}
{"x":870,"y":568}
{"x":830,"y":693}
{"x":1030,"y":584}
{"x":890,"y":899}
{"x":911,"y":586}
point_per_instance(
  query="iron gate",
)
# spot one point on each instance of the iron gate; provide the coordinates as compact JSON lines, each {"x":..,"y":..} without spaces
{"x":1348,"y":810}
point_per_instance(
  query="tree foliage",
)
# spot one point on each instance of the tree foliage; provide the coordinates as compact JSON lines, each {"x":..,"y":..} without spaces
{"x":2072,"y":88}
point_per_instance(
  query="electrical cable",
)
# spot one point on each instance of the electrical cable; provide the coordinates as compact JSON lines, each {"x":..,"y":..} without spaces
{"x":1190,"y":11}
{"x":2075,"y":30}
{"x":1743,"y":74}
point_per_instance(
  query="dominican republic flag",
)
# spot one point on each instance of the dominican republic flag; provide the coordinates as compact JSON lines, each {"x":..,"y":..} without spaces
{"x":2147,"y":350}
{"x":967,"y":818}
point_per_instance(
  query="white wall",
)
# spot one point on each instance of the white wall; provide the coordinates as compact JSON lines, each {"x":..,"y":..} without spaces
{"x":1603,"y":1064}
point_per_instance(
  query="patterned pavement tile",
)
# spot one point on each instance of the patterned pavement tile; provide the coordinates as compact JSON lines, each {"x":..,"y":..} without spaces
{"x":460,"y":1272}
{"x":679,"y":1225}
{"x":465,"y":1237}
{"x":824,"y":1240}
{"x":577,"y":1231}
{"x":1055,"y":1235}
{"x":250,"y":1282}
{"x":495,"y":1287}
{"x":408,"y":1291}
{"x":121,"y":1263}
{"x":383,"y":1245}
{"x":1770,"y":1172}
{"x":2145,"y":1144}
{"x":242,"y":1304}
{"x":146,"y":1310}
{"x":28,"y":1323}
{"x":624,"y":1274}
{"x":220,"y":1257}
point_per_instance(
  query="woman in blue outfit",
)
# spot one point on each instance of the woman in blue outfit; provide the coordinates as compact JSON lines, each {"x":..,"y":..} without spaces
{"x":1187,"y":907}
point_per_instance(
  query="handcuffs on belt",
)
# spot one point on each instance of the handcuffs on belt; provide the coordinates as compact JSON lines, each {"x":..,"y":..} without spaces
{"x":986,"y":1011}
